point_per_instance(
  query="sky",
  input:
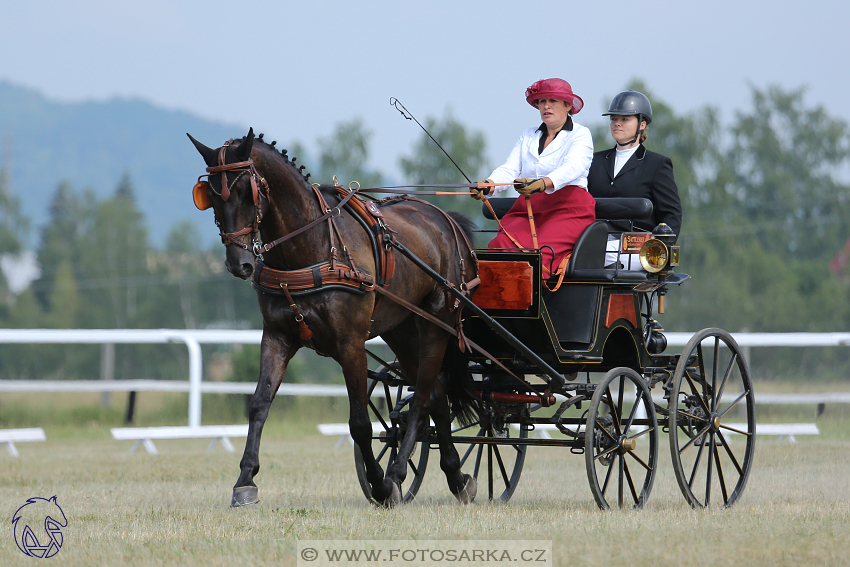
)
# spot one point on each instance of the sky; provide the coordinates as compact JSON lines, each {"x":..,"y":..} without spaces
{"x":294,"y":70}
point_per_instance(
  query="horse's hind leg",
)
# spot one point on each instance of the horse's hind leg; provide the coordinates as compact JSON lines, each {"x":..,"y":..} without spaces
{"x":463,"y":486}
{"x":429,"y":398}
{"x":275,"y":353}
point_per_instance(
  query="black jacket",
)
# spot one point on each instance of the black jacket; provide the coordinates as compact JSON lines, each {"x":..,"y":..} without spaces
{"x":646,"y":174}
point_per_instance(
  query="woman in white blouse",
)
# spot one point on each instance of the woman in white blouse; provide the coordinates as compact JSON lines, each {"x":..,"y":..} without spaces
{"x":548,"y":167}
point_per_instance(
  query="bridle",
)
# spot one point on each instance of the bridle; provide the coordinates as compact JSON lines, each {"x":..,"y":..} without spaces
{"x":243,"y":167}
{"x":256,"y":247}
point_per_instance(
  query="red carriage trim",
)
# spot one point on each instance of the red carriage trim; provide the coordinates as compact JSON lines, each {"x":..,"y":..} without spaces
{"x":504,"y":285}
{"x":621,"y":306}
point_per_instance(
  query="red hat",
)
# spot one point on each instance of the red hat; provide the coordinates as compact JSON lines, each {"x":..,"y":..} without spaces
{"x":558,"y":89}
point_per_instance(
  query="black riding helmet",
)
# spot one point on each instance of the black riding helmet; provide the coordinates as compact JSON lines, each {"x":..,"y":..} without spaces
{"x":631,"y":103}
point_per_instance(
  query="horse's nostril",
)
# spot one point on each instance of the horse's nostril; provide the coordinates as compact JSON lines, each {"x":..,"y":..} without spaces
{"x":247,"y":269}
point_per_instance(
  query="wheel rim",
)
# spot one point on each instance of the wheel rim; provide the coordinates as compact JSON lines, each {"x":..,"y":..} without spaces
{"x":395,"y":399}
{"x":621,"y":441}
{"x":501,"y":464}
{"x":712,"y":420}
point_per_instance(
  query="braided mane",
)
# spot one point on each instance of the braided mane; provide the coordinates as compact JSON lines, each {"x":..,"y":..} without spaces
{"x":291,"y":163}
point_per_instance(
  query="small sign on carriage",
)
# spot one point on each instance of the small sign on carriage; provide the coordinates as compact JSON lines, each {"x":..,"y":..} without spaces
{"x":632,"y":241}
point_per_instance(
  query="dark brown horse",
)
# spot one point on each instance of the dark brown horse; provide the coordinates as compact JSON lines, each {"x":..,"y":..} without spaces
{"x":258,"y":194}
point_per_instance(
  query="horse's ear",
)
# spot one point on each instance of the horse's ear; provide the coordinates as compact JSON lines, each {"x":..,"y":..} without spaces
{"x":243,"y":152}
{"x":210,"y":156}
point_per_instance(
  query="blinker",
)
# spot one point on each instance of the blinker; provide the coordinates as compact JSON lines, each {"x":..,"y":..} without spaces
{"x":200,"y":193}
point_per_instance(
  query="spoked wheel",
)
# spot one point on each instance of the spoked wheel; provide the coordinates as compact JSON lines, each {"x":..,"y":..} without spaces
{"x":711,"y":400}
{"x":388,"y":422}
{"x":621,"y":441}
{"x":502,"y":464}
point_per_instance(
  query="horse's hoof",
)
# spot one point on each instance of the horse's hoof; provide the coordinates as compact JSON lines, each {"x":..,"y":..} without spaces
{"x":391,"y":501}
{"x":243,"y":496}
{"x":467,"y":494}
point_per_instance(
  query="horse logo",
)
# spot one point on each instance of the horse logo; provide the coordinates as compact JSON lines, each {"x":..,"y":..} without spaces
{"x":38,"y":527}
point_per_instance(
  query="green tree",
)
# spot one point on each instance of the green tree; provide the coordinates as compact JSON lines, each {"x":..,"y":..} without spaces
{"x":428,"y":164}
{"x":784,"y":164}
{"x":114,"y":259}
{"x":345,"y":154}
{"x":64,"y":237}
{"x":13,"y":228}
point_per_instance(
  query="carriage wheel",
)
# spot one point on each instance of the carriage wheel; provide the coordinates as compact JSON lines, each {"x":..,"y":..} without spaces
{"x":621,"y":441}
{"x":396,"y":399}
{"x":503,"y":463}
{"x":711,"y":400}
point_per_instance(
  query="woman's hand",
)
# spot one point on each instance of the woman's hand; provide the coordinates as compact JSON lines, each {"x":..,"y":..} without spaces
{"x":481,"y":190}
{"x":528,"y":187}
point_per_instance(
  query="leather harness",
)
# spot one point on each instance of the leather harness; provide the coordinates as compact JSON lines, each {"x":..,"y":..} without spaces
{"x":334,"y":274}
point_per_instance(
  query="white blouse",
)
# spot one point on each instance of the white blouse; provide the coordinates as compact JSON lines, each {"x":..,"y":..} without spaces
{"x":566,"y":160}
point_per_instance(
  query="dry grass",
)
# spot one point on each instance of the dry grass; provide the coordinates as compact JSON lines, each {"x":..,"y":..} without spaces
{"x":172,"y":508}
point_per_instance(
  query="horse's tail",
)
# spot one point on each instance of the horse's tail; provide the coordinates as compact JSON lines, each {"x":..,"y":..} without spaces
{"x":465,"y":403}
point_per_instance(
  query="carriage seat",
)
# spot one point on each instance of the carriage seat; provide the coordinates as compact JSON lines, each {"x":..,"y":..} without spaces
{"x":607,"y":209}
{"x":588,"y":259}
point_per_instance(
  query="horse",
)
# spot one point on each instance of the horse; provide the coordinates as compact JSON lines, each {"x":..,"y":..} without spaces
{"x":259,"y":196}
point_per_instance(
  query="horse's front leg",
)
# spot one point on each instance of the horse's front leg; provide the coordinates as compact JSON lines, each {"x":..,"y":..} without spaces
{"x":275,"y":353}
{"x":353,"y":362}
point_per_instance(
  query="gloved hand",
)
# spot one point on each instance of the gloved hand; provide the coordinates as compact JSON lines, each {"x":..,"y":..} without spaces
{"x":529,"y":187}
{"x":482,"y":189}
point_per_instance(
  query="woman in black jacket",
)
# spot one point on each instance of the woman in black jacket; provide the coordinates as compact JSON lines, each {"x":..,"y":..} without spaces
{"x":630,"y":170}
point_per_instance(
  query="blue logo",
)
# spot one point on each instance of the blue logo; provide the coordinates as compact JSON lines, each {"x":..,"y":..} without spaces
{"x":38,"y":527}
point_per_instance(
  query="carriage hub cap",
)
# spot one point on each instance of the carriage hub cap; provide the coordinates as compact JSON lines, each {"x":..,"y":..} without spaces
{"x":715,"y":422}
{"x":628,"y":444}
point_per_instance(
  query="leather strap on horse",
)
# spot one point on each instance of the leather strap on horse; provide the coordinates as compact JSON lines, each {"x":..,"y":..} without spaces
{"x":304,"y":331}
{"x":329,"y":213}
{"x":456,"y":333}
{"x":271,"y":280}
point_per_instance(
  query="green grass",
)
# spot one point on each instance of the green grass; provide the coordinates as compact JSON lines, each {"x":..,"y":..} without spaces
{"x":172,"y":508}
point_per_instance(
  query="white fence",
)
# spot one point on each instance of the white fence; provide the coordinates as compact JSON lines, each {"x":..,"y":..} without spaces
{"x":193,"y":339}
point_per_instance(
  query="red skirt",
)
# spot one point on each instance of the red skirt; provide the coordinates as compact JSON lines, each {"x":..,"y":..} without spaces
{"x":559,"y":218}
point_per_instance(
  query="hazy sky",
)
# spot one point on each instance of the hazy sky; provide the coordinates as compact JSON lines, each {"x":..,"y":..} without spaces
{"x":295,"y":69}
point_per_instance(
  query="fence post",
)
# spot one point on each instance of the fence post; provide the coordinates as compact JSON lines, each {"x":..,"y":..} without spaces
{"x":195,"y":373}
{"x":107,"y":369}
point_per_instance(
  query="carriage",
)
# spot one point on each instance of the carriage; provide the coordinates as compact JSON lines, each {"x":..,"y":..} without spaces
{"x":620,"y":391}
{"x":578,"y":366}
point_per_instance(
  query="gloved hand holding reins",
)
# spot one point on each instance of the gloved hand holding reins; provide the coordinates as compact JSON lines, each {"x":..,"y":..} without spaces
{"x":528,"y":187}
{"x":481,"y":191}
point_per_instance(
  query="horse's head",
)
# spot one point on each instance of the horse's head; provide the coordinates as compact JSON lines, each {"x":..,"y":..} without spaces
{"x":234,"y":192}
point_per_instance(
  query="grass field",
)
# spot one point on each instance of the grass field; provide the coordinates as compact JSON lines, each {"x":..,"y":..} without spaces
{"x":172,"y":508}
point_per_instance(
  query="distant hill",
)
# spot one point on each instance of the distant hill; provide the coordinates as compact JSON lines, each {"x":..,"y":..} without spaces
{"x":92,"y":144}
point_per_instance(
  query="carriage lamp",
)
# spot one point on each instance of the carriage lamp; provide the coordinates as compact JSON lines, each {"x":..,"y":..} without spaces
{"x":653,"y":255}
{"x":658,"y":253}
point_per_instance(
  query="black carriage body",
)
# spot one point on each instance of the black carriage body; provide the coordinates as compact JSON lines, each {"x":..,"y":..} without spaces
{"x":599,"y":322}
{"x":592,"y":323}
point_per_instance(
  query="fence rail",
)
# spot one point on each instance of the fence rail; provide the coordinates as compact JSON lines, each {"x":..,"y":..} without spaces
{"x":194,"y":338}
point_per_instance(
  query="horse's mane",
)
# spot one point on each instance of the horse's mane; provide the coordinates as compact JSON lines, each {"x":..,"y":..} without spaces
{"x":282,"y":156}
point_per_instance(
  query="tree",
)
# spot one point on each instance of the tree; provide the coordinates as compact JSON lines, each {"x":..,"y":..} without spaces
{"x":345,"y":153}
{"x":115,"y":259}
{"x":64,"y":236}
{"x":783,"y":164}
{"x":428,"y":164}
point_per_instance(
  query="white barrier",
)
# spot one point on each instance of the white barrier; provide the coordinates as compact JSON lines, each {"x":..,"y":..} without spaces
{"x":194,"y":338}
{"x":145,"y":435}
{"x":9,"y":437}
